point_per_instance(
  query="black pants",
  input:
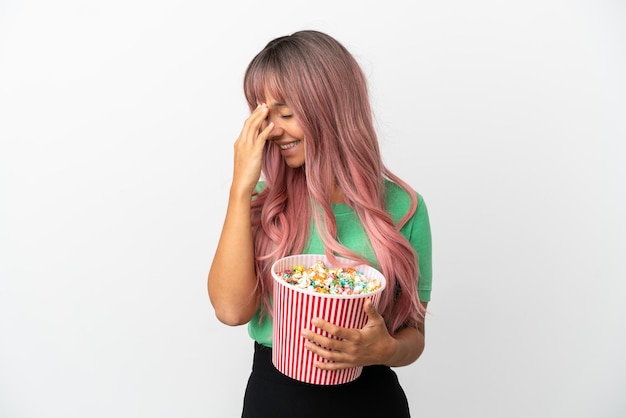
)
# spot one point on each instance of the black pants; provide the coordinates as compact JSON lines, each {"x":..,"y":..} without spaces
{"x":270,"y":394}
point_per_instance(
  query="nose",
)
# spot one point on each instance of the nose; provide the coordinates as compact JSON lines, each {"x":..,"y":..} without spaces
{"x":277,"y":130}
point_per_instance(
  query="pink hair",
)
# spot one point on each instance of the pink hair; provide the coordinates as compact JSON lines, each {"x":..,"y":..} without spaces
{"x":327,"y":93}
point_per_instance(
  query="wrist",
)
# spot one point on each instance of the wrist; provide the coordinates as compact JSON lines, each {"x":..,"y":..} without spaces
{"x":391,"y":351}
{"x":406,"y":347}
{"x":238,"y":191}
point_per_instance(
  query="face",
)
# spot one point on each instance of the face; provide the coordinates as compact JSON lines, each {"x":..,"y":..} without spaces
{"x":286,"y":134}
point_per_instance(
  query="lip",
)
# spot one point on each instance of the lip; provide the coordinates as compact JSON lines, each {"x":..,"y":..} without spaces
{"x":288,"y":147}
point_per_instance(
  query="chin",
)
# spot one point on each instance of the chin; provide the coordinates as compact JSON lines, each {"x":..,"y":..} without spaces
{"x":294,"y":164}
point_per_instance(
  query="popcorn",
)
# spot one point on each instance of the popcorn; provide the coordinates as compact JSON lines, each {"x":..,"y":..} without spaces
{"x":307,"y":288}
{"x":334,"y":281}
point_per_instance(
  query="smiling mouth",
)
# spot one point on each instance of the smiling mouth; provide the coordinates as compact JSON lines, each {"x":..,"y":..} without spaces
{"x":289,"y":145}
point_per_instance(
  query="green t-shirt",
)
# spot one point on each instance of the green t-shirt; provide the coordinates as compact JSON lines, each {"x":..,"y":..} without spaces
{"x":350,"y":232}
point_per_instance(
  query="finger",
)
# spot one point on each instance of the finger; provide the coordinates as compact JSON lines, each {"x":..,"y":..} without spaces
{"x":319,"y":340}
{"x":256,"y":118}
{"x":333,"y":360}
{"x":348,"y":334}
{"x":265,"y":133}
{"x":325,"y":353}
{"x":329,"y":348}
{"x":325,"y":325}
{"x":370,"y":310}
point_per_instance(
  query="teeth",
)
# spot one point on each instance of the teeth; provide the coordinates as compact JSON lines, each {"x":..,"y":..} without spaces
{"x":290,"y":145}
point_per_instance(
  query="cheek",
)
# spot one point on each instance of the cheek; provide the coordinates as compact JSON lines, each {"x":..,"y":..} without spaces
{"x":295,"y":130}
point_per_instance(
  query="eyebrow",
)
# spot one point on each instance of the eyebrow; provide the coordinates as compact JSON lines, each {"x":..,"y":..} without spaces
{"x":279,"y":104}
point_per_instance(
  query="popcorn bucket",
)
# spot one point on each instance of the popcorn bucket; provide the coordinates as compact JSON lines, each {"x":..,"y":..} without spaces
{"x":294,"y":308}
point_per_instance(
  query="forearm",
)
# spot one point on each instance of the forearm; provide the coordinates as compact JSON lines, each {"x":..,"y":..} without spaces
{"x":408,"y":346}
{"x":232,"y":280}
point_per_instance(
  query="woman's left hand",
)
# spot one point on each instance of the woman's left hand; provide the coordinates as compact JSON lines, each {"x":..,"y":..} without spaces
{"x":354,"y":347}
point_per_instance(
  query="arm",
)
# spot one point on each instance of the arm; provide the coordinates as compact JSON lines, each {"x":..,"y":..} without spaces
{"x":232,"y":283}
{"x":232,"y":280}
{"x":409,"y":345}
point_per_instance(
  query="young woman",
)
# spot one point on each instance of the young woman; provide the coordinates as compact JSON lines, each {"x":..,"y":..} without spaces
{"x":324,"y":190}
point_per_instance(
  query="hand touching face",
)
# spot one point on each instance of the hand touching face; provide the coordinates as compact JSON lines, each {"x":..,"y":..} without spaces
{"x":286,"y":133}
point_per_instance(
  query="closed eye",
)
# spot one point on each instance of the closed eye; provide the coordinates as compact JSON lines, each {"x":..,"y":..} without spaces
{"x":286,"y":116}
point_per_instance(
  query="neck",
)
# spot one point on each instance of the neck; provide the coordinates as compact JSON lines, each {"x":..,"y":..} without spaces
{"x":337,"y":196}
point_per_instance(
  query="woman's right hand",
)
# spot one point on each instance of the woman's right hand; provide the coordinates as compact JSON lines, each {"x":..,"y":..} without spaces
{"x":249,"y":151}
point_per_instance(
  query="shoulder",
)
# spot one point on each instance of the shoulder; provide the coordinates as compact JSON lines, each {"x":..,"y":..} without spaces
{"x":398,"y":200}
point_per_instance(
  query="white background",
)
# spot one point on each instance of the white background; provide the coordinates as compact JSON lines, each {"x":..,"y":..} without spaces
{"x":117,"y":121}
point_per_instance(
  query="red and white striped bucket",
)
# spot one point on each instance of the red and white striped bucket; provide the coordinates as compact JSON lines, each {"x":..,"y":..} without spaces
{"x":293,"y":310}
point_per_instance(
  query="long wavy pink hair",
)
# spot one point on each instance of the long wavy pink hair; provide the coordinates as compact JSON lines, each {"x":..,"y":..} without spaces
{"x":327,"y":93}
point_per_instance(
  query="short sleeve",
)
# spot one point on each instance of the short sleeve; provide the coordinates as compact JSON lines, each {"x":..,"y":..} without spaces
{"x":419,"y":235}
